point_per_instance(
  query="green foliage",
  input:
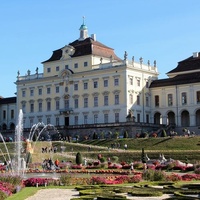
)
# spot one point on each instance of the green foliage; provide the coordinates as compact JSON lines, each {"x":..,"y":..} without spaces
{"x":143,"y":159}
{"x":102,"y":159}
{"x":95,"y":136}
{"x":2,"y":195}
{"x":163,"y":133}
{"x":65,"y":179}
{"x":154,"y":175}
{"x":125,"y":134}
{"x":114,"y":159}
{"x":79,"y":159}
{"x":116,"y":135}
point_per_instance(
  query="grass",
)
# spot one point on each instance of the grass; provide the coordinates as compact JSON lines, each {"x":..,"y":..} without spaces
{"x":171,"y":147}
{"x":24,"y":193}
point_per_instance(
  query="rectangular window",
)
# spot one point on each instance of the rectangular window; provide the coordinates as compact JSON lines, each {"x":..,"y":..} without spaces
{"x":105,"y":118}
{"x":23,"y":93}
{"x":12,"y":115}
{"x":57,"y":89}
{"x":147,"y":84}
{"x":138,"y":117}
{"x":170,"y":100}
{"x":40,"y":91}
{"x":105,"y":83}
{"x":76,"y":86}
{"x":117,"y":117}
{"x":4,"y":114}
{"x":57,"y":104}
{"x":76,"y":120}
{"x":48,"y":90}
{"x":138,"y":100}
{"x":96,"y":102}
{"x":85,"y":102}
{"x":105,"y":100}
{"x":76,"y":65}
{"x":116,"y":99}
{"x":57,"y":68}
{"x":31,"y":122}
{"x":131,"y":81}
{"x":198,"y":96}
{"x":66,"y":66}
{"x":147,"y":101}
{"x":66,"y":102}
{"x":31,"y":107}
{"x":130,"y":99}
{"x":95,"y":119}
{"x":116,"y":82}
{"x":75,"y":103}
{"x":147,"y":118}
{"x":31,"y":92}
{"x":85,"y":86}
{"x":40,"y":106}
{"x":85,"y":64}
{"x":184,"y":98}
{"x":156,"y":100}
{"x":48,"y":70}
{"x":138,"y":82}
{"x":48,"y":106}
{"x":85,"y":119}
{"x":57,"y":121}
{"x":48,"y":120}
{"x":95,"y":84}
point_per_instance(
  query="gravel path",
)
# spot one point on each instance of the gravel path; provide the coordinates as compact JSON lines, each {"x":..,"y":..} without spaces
{"x":54,"y":194}
{"x":67,"y":194}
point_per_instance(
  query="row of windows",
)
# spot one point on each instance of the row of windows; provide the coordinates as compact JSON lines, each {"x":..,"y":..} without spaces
{"x":12,"y":114}
{"x":170,"y":99}
{"x":96,"y":84}
{"x":138,"y":82}
{"x":85,"y":119}
{"x":67,"y":105}
{"x":57,"y":88}
{"x":138,"y":100}
{"x":76,"y":119}
{"x":85,"y":64}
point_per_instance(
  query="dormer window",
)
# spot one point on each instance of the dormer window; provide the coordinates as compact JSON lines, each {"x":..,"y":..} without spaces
{"x":85,"y":64}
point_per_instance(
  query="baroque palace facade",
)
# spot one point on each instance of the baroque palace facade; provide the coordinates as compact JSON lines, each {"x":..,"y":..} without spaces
{"x":84,"y":84}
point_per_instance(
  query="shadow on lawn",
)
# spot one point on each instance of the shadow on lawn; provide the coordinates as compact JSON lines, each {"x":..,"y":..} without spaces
{"x":162,"y":141}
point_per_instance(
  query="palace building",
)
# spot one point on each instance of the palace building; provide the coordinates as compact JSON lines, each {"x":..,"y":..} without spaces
{"x":85,"y":82}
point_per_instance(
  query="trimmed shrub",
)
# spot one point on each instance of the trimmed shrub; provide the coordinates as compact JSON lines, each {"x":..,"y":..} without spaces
{"x":79,"y":158}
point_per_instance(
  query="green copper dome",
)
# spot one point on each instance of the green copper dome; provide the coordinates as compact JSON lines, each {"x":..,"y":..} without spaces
{"x":83,"y":27}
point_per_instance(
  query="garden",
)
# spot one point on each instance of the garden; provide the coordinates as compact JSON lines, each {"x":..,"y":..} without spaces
{"x":123,"y":173}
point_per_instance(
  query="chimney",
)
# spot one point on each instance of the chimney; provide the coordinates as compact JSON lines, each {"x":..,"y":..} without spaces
{"x":195,"y":54}
{"x":94,"y":37}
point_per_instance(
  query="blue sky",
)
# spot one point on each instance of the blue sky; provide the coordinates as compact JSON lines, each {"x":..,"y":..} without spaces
{"x":167,"y":31}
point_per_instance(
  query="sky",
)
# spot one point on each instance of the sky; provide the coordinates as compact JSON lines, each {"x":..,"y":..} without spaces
{"x":167,"y":31}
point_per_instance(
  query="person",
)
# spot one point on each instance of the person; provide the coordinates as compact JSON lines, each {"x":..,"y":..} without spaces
{"x":132,"y":168}
{"x":56,"y":163}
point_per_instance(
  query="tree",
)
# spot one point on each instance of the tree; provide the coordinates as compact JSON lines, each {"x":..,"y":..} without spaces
{"x":143,"y":156}
{"x":125,"y":134}
{"x":95,"y":136}
{"x":79,"y":158}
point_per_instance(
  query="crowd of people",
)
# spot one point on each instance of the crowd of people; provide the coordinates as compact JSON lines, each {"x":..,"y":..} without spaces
{"x":48,"y":164}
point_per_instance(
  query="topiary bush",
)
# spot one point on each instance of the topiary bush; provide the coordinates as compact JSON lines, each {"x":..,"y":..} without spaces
{"x":79,"y":159}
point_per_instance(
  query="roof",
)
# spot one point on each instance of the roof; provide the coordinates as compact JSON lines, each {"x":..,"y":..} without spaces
{"x":191,"y":63}
{"x":86,"y":47}
{"x":8,"y":100}
{"x":177,"y":80}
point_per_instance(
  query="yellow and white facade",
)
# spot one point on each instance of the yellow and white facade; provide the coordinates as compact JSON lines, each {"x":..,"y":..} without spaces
{"x":86,"y":83}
